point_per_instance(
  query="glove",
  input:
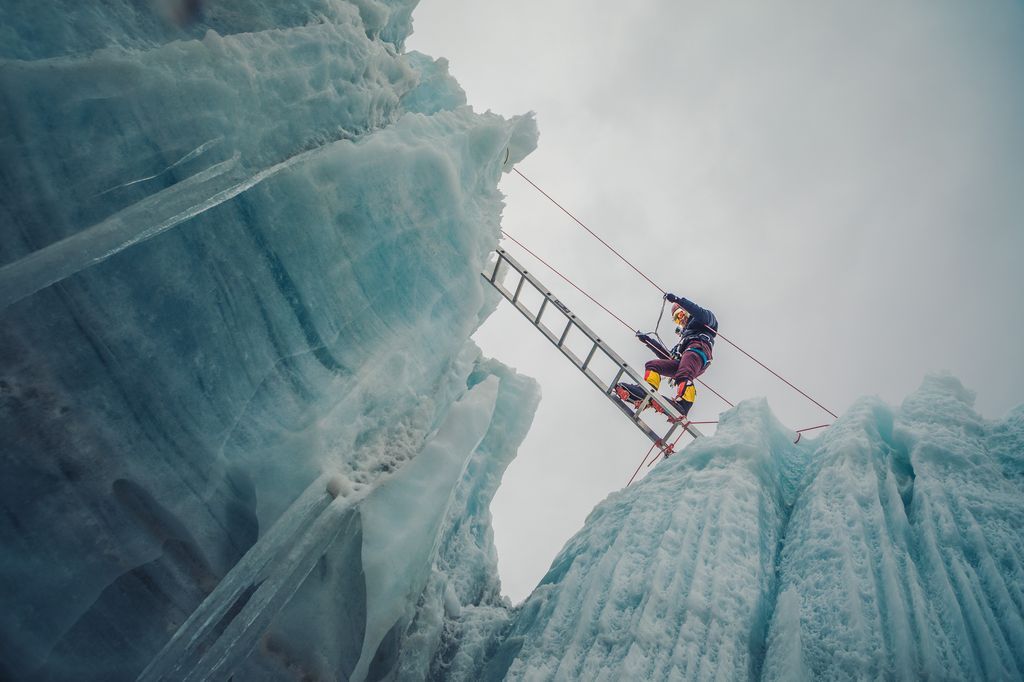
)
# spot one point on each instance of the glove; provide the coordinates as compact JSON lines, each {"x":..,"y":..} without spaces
{"x":671,"y":298}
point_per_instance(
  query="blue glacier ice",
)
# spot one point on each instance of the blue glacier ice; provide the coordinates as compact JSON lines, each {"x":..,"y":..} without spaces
{"x":245,"y":432}
{"x":892,"y":547}
{"x":240,"y":265}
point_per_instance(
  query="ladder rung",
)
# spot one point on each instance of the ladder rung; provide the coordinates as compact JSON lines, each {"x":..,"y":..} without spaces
{"x":615,"y":381}
{"x":565,"y":333}
{"x":540,"y":312}
{"x":497,"y":266}
{"x":590,"y":356}
{"x":523,"y":309}
{"x":624,"y":370}
{"x":519,"y":288}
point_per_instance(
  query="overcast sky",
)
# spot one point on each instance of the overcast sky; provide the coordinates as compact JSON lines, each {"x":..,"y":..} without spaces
{"x":841,"y":183}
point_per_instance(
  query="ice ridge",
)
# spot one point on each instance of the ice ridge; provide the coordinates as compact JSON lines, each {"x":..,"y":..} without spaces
{"x":241,"y":254}
{"x":244,"y":432}
{"x":891,"y":547}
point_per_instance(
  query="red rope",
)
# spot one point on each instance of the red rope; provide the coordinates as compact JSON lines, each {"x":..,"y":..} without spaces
{"x":596,"y":302}
{"x":637,"y":270}
{"x":641,"y":464}
{"x":715,"y":392}
{"x":550,"y":267}
{"x":671,"y":448}
{"x":580,"y":223}
{"x":720,"y":335}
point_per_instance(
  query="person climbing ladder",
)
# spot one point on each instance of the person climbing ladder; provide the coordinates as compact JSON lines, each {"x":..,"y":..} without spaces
{"x":697,"y":328}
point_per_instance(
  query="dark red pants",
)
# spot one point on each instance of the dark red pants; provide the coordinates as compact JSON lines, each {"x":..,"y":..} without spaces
{"x":689,"y":366}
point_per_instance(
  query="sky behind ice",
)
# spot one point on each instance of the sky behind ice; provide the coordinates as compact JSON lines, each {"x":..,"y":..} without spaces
{"x":839,"y":182}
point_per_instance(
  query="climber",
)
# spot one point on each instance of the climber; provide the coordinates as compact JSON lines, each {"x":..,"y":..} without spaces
{"x":697,"y":328}
{"x":686,"y":361}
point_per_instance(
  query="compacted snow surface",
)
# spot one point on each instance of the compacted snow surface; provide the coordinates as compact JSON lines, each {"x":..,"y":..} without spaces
{"x":244,"y":431}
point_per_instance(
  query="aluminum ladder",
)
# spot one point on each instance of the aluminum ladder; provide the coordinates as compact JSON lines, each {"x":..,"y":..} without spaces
{"x":598,"y":353}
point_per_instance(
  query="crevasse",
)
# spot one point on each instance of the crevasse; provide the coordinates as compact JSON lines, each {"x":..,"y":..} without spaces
{"x":244,"y":431}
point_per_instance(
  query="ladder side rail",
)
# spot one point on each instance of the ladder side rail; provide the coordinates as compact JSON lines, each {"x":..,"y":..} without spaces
{"x":579,"y":324}
{"x":557,"y":342}
{"x":609,"y":389}
{"x":570,"y":322}
{"x":573,"y":320}
{"x":618,"y":375}
{"x":625,"y":369}
{"x":663,"y":402}
{"x":611,"y":354}
{"x":583,"y":365}
{"x":643,"y":426}
{"x":514,"y":296}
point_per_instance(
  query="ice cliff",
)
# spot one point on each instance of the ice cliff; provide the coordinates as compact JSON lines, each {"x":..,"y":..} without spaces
{"x":239,"y":266}
{"x":890,"y":548}
{"x":244,"y":432}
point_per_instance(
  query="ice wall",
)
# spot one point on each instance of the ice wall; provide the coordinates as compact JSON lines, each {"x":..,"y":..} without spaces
{"x":671,"y":578}
{"x":240,"y":248}
{"x":890,"y":548}
{"x":905,"y":553}
{"x":242,"y":431}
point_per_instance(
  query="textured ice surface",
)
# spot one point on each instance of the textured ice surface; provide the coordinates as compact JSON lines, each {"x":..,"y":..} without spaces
{"x":904,"y":556}
{"x":672,"y":578}
{"x":892,"y":547}
{"x":239,"y":249}
{"x":402,"y":519}
{"x":244,"y":431}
